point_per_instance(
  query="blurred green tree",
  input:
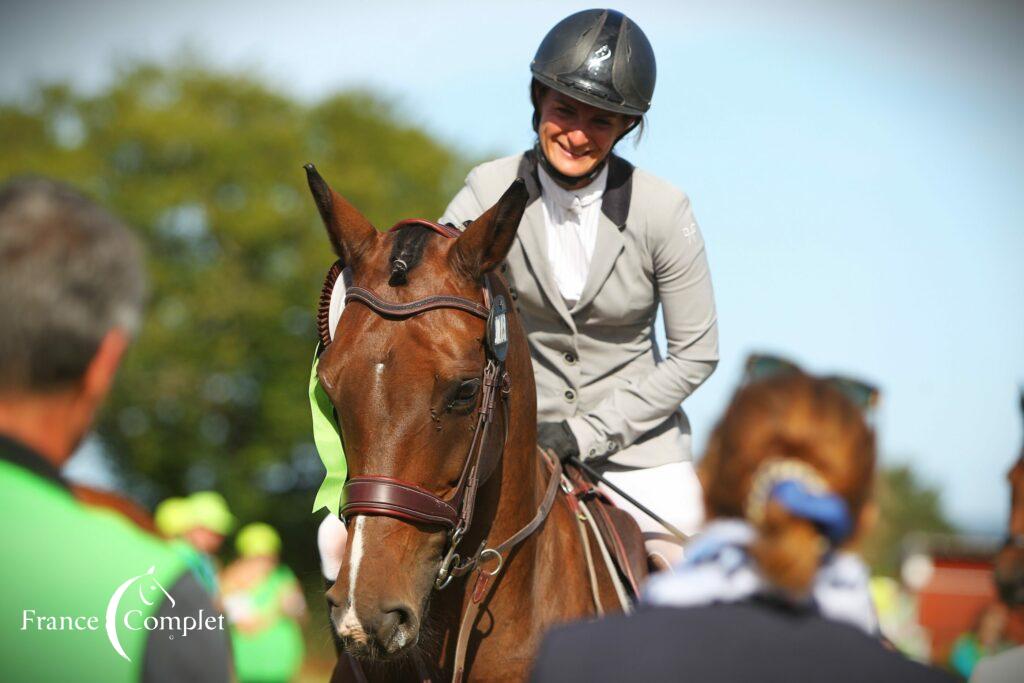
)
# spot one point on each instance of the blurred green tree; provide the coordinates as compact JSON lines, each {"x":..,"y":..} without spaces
{"x":905,"y":505}
{"x":208,"y":167}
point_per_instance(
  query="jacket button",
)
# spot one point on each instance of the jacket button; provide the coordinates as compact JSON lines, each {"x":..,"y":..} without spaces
{"x":592,"y":452}
{"x":513,"y":293}
{"x":570,"y":395}
{"x":504,"y":267}
{"x":570,"y":358}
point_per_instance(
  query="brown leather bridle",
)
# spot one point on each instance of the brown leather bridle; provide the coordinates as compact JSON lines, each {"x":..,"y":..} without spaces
{"x":389,"y":497}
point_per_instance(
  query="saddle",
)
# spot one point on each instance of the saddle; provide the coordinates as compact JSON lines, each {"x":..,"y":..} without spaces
{"x":618,"y":531}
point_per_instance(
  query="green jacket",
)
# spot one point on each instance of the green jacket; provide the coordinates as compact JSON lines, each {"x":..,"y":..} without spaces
{"x":85,"y":595}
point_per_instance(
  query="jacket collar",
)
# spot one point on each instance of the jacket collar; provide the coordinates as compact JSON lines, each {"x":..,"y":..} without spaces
{"x":617,"y":193}
{"x":21,"y":455}
{"x":610,"y":243}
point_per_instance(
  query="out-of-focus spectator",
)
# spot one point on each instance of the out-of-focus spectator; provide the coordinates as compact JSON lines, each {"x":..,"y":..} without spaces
{"x":212,"y":521}
{"x":1008,"y":666}
{"x":174,"y":519}
{"x":987,"y":638}
{"x":769,"y":590}
{"x":71,"y":291}
{"x":897,"y":617}
{"x":265,"y":606}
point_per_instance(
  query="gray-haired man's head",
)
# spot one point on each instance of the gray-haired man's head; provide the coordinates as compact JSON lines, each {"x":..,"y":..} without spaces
{"x":69,"y":273}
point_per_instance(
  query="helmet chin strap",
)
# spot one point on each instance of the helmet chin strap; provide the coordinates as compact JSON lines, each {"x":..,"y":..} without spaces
{"x":562,"y":178}
{"x":586,"y":178}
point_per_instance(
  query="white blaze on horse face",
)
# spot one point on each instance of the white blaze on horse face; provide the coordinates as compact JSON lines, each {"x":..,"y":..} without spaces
{"x":350,"y":625}
{"x":379,"y":368}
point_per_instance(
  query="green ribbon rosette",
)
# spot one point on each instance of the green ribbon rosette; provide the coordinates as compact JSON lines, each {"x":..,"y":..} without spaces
{"x":328,"y":445}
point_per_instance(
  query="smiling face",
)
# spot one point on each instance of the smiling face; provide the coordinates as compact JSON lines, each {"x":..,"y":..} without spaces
{"x":576,"y":137}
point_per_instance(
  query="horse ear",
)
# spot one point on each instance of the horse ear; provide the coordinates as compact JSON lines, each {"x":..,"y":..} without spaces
{"x":350,"y":233}
{"x":485,"y":243}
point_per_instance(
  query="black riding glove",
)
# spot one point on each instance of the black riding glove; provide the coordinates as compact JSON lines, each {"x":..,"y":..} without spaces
{"x":558,"y":437}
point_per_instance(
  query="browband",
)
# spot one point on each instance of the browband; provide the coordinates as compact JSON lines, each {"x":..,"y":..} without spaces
{"x":448,"y":231}
{"x":388,"y":308}
{"x":393,"y":310}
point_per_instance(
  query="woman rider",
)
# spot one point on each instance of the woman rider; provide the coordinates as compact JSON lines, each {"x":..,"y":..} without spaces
{"x":600,"y":246}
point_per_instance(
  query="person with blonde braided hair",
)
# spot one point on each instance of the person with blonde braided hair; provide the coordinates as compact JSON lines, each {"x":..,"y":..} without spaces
{"x":770,"y":589}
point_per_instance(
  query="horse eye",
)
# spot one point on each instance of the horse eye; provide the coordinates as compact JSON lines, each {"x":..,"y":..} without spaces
{"x":462,"y":398}
{"x":468,"y":389}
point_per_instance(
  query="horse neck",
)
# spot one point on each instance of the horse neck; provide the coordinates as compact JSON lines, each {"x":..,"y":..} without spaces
{"x":522,"y":474}
{"x":506,"y":503}
{"x":509,"y":499}
{"x":522,"y":478}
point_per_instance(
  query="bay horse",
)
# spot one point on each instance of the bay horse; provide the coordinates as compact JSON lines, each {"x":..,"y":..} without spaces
{"x":430,"y":375}
{"x":1009,"y":563}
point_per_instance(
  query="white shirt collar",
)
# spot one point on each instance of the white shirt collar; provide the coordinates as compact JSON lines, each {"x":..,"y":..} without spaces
{"x":570,"y":199}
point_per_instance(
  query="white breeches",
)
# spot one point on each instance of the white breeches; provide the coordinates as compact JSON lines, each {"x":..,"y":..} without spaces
{"x":672,"y":492}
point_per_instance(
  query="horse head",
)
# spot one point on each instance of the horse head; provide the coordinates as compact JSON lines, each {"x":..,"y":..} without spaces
{"x":407,"y":381}
{"x":1009,"y":563}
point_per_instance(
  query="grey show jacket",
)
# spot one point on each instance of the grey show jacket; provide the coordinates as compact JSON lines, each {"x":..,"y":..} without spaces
{"x":596,"y":364}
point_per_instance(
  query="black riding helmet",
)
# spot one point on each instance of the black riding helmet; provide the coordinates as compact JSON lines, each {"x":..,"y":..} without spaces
{"x":600,"y":57}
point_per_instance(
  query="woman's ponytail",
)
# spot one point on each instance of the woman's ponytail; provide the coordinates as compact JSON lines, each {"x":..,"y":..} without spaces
{"x":794,"y":457}
{"x":788,"y":549}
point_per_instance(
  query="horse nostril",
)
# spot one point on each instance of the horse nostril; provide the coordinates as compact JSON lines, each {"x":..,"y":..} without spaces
{"x":391,"y":631}
{"x":398,"y":615}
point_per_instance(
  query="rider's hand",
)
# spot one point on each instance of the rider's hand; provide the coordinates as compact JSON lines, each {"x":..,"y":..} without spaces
{"x":558,"y":437}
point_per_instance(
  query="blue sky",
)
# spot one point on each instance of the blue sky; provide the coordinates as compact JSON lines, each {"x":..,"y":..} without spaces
{"x":856,"y":167}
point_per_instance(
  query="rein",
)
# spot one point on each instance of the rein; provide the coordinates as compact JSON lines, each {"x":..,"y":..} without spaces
{"x":410,"y":502}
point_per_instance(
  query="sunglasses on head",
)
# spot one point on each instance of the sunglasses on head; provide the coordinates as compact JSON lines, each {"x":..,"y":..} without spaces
{"x":761,"y":366}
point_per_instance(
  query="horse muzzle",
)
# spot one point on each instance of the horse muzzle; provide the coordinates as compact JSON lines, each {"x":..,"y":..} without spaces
{"x":383,"y":633}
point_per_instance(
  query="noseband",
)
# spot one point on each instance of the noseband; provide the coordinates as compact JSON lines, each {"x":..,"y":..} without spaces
{"x":410,"y":502}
